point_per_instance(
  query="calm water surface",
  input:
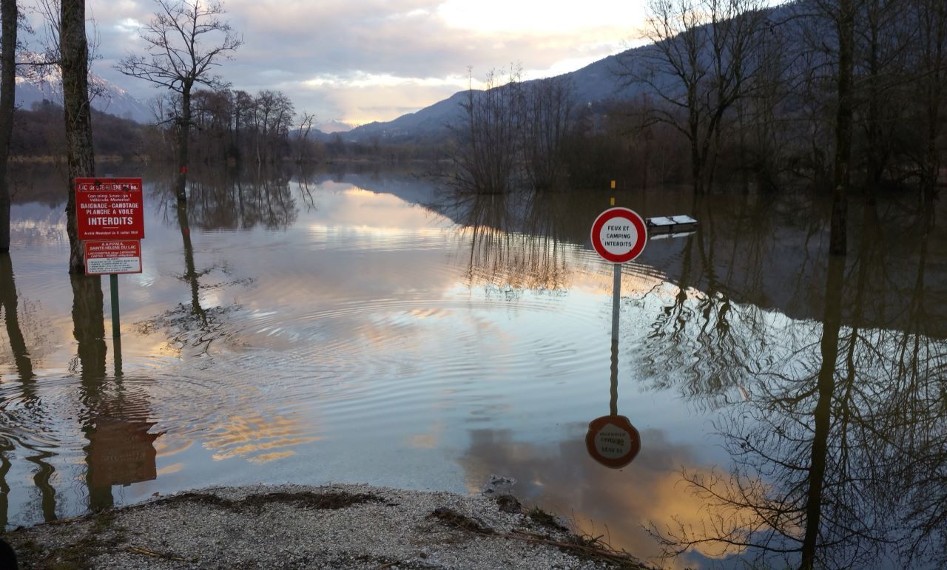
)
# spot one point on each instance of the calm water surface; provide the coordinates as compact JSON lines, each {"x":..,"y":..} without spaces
{"x":384,"y":329}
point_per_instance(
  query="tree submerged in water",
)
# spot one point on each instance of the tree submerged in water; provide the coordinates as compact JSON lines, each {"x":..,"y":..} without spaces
{"x":178,"y":59}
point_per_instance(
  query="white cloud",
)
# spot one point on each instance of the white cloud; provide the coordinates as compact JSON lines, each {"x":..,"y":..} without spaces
{"x":362,"y":60}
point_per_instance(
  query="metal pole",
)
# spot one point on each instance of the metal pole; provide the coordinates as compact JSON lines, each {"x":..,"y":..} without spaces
{"x":613,"y":400}
{"x":616,"y":301}
{"x":113,"y":288}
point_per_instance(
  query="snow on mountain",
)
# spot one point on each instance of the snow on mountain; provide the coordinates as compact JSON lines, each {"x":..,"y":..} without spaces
{"x":45,"y":83}
{"x":333,"y":126}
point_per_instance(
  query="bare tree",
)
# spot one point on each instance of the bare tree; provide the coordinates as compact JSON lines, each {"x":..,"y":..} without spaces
{"x":185,"y":41}
{"x":488,"y":135}
{"x":700,"y":65}
{"x":548,"y":105}
{"x":303,"y":143}
{"x":845,"y":26}
{"x":274,"y":116}
{"x":80,"y":157}
{"x":931,"y":46}
{"x":8,"y":22}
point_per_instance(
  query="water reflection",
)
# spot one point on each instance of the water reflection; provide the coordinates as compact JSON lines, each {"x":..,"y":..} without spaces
{"x":617,"y":505}
{"x":839,"y":441}
{"x":192,"y":325}
{"x":224,"y":199}
{"x":518,"y":240}
{"x":612,"y":440}
{"x":377,"y":328}
{"x":114,"y":421}
{"x":27,"y":399}
{"x":11,"y":317}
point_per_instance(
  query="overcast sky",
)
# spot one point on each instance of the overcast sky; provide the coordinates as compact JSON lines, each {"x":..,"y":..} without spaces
{"x":364,"y":60}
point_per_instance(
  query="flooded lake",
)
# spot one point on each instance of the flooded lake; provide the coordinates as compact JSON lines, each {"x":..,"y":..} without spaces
{"x":384,"y":328}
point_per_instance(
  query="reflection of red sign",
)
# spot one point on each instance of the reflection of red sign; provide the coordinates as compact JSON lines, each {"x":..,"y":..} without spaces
{"x":619,"y":235}
{"x":106,"y":257}
{"x":612,"y":441}
{"x":122,"y":452}
{"x":109,"y":208}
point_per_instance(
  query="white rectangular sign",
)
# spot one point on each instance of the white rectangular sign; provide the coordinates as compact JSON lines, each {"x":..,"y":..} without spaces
{"x":108,"y":257}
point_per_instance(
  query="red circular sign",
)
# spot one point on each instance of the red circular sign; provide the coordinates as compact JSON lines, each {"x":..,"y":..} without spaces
{"x":612,"y":441}
{"x":619,"y":235}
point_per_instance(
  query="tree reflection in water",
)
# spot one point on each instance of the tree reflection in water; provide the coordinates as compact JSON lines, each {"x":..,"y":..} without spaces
{"x":222,"y":199}
{"x":113,"y":418}
{"x":840,"y":441}
{"x":24,"y":367}
{"x":517,"y":240}
{"x":27,"y":402}
{"x":193,"y":325}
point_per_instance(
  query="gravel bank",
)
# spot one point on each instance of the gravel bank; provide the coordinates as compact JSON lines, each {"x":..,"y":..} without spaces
{"x":338,"y":527}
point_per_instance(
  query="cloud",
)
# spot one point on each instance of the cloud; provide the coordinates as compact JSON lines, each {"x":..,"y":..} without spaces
{"x":421,"y":47}
{"x":619,"y":504}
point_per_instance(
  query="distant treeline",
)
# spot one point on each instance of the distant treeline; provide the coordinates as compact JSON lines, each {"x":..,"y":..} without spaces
{"x":751,"y":98}
{"x":229,"y":127}
{"x":40,"y":132}
{"x":823,"y":93}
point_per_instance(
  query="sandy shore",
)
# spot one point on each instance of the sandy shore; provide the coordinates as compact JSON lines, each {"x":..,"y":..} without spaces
{"x":339,"y":527}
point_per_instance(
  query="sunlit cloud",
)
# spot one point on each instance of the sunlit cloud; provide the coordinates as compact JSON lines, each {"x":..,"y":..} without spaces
{"x":128,"y":26}
{"x":257,"y":438}
{"x":375,"y":60}
{"x":528,"y":16}
{"x":650,"y":491}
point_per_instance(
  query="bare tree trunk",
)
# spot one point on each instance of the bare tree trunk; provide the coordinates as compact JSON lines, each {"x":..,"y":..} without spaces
{"x":8,"y":303}
{"x":184,"y":135}
{"x":831,"y":324}
{"x":8,"y":20}
{"x":74,"y":51}
{"x":933,"y":45}
{"x":700,"y":66}
{"x":838,"y":243}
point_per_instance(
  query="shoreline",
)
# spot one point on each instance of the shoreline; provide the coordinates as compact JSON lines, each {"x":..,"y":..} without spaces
{"x":297,"y":526}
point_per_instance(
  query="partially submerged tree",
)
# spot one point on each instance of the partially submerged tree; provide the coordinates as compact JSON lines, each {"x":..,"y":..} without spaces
{"x":513,"y":135}
{"x":701,"y":64}
{"x":184,"y":41}
{"x":488,"y":135}
{"x":8,"y":24}
{"x":547,"y":117}
{"x":845,"y":25}
{"x":74,"y":50}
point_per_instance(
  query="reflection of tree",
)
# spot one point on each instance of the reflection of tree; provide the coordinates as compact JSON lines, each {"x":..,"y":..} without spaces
{"x":21,"y":356}
{"x":707,"y":342}
{"x":918,"y":418}
{"x":839,"y":452}
{"x":119,"y":449}
{"x":516,"y":238}
{"x":191,"y":324}
{"x":8,"y":303}
{"x":221,"y":200}
{"x":88,"y":313}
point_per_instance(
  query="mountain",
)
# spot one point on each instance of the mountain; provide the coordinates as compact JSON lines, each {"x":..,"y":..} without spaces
{"x":428,"y":123}
{"x":333,"y":126}
{"x":599,"y":82}
{"x":594,"y":83}
{"x":107,"y":97}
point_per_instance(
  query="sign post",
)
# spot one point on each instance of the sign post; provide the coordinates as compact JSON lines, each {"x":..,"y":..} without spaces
{"x":111,"y":224}
{"x":612,"y":441}
{"x":618,"y":235}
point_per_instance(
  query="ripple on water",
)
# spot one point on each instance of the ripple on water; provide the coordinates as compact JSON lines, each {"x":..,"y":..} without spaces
{"x":362,"y":359}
